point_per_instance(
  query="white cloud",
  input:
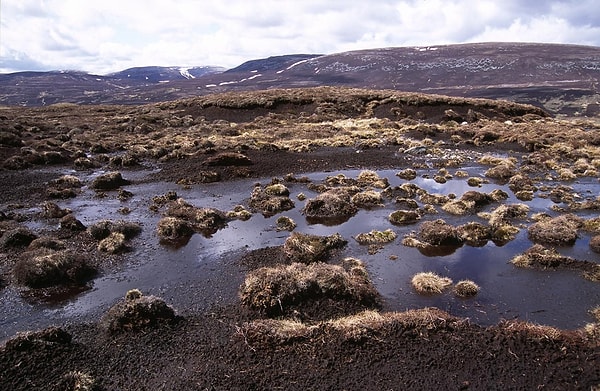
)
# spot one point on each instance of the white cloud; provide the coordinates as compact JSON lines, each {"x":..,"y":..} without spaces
{"x":110,"y":35}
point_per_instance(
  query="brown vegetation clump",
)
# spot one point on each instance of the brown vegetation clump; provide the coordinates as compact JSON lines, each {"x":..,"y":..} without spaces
{"x":332,"y":205}
{"x":103,"y":228}
{"x":404,"y":217}
{"x":173,"y":229}
{"x":376,"y":237}
{"x":47,"y":242}
{"x":137,"y":312}
{"x":439,"y":233}
{"x":114,"y":243}
{"x":17,"y":237}
{"x":271,"y":200}
{"x":274,"y":289}
{"x":501,"y":171}
{"x":206,"y":221}
{"x":48,"y":338}
{"x":595,"y":244}
{"x":51,"y":210}
{"x":239,"y":213}
{"x":367,"y":199}
{"x":285,"y":223}
{"x":407,"y":174}
{"x":109,"y":181}
{"x":369,"y":178}
{"x":561,"y":230}
{"x":519,"y":182}
{"x":505,"y":214}
{"x":78,"y":381}
{"x":228,"y":159}
{"x":50,"y":268}
{"x":307,"y":248}
{"x":466,"y":288}
{"x":71,"y":223}
{"x":541,"y":257}
{"x":474,"y":234}
{"x":363,"y":325}
{"x":430,"y":283}
{"x":468,"y":203}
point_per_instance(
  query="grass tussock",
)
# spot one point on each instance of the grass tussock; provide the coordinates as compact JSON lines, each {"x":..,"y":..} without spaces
{"x":363,"y":325}
{"x":561,"y":230}
{"x":136,"y":312}
{"x":274,"y":289}
{"x":333,"y":204}
{"x":376,"y":237}
{"x":45,"y":268}
{"x":466,"y":288}
{"x":439,"y":233}
{"x":430,"y":283}
{"x":534,"y":331}
{"x":308,"y":248}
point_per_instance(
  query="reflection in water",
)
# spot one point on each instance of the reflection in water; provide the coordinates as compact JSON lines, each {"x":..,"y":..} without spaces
{"x":557,"y":298}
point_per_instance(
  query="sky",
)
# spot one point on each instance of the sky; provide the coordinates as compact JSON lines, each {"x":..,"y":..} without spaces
{"x":104,"y":36}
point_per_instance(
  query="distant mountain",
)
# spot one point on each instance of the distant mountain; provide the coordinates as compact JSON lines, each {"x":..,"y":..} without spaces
{"x":164,"y":74}
{"x":560,"y":78}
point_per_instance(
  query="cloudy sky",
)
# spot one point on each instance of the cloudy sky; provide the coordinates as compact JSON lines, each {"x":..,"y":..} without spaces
{"x":103,"y":36}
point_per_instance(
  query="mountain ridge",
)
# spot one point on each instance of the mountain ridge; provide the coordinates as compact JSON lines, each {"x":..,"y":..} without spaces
{"x":560,"y":78}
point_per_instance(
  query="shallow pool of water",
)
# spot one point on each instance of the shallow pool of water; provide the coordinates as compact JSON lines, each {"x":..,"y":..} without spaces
{"x":557,"y":298}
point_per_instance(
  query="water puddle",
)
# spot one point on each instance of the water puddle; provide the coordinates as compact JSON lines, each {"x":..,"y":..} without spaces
{"x":189,"y":277}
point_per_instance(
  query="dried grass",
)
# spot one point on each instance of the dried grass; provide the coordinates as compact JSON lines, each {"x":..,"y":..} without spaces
{"x":430,"y":283}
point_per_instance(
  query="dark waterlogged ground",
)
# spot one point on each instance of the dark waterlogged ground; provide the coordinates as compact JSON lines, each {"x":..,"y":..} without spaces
{"x":559,"y":298}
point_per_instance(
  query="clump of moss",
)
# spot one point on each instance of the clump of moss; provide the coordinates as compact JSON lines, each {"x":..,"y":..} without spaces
{"x":175,"y":230}
{"x":113,"y":243}
{"x":271,"y":200}
{"x":505,"y":214}
{"x":595,"y":244}
{"x":501,"y":171}
{"x":109,"y":181}
{"x":285,"y":223}
{"x":239,"y":212}
{"x":50,"y":337}
{"x":430,"y":283}
{"x":206,"y":221}
{"x":277,"y":189}
{"x":17,"y":237}
{"x":274,"y":289}
{"x":468,"y":203}
{"x":439,"y":233}
{"x":407,"y":174}
{"x":404,"y":217}
{"x":332,"y":205}
{"x":51,"y":210}
{"x":466,"y":288}
{"x":372,"y":179}
{"x":103,"y":228}
{"x":367,"y":199}
{"x":137,"y":312}
{"x":47,"y":242}
{"x":474,"y":234}
{"x":71,"y":223}
{"x":376,"y":237}
{"x":307,"y":248}
{"x":77,"y":381}
{"x":51,"y":268}
{"x":474,"y":181}
{"x":561,"y":230}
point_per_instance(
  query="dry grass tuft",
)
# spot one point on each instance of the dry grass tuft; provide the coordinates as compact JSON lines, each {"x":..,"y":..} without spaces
{"x":371,"y":178}
{"x":307,"y":248}
{"x":365,"y":324}
{"x":404,"y":217}
{"x":538,"y":332}
{"x":430,"y":283}
{"x":273,"y":289}
{"x":367,"y":199}
{"x":466,"y":288}
{"x":376,"y":237}
{"x":561,"y":230}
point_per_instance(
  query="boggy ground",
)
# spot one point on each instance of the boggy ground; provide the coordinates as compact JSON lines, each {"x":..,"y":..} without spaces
{"x":321,"y":342}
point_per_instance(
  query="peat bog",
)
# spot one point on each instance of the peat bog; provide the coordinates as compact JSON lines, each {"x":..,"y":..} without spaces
{"x":279,"y":219}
